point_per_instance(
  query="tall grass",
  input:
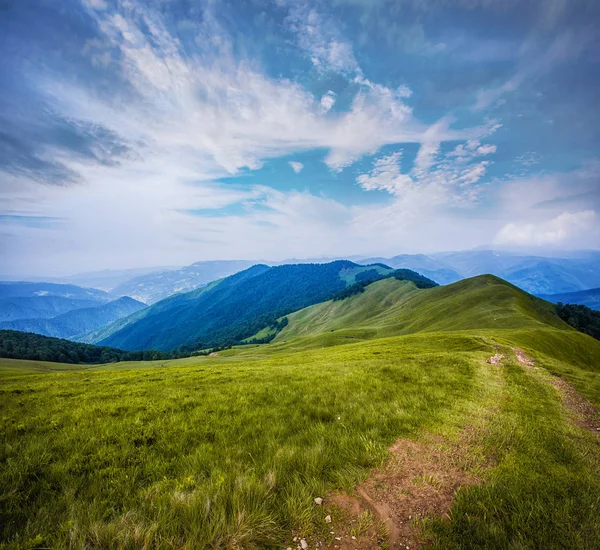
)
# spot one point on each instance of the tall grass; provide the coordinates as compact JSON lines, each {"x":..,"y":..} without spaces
{"x":192,"y":457}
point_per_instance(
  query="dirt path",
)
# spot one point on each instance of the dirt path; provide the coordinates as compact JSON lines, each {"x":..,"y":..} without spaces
{"x":495,"y":359}
{"x":418,"y":481}
{"x":583,"y":413}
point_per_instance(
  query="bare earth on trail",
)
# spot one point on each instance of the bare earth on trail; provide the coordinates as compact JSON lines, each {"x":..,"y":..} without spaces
{"x":584,"y":414}
{"x":523,"y":358}
{"x":419,"y":480}
{"x":495,"y":359}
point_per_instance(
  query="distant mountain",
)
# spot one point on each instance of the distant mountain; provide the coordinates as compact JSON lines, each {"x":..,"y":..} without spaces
{"x":233,"y":308}
{"x":425,"y":265}
{"x":11,"y":289}
{"x":108,"y":279}
{"x":157,"y":286}
{"x":534,"y":274}
{"x":589,"y":298}
{"x":26,"y":300}
{"x":77,"y":322}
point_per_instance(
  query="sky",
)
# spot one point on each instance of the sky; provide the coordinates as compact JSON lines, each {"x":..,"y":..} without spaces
{"x":163,"y":132}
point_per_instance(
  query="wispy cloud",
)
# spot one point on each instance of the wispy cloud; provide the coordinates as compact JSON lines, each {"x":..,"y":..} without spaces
{"x":320,"y":38}
{"x":296,"y":166}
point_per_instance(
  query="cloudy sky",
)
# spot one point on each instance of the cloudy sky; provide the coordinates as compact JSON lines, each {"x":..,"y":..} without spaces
{"x":163,"y":132}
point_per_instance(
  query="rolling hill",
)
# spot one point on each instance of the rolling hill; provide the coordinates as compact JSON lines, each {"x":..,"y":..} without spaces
{"x":589,"y":298}
{"x":391,"y":307}
{"x":76,"y":323}
{"x":233,"y":308}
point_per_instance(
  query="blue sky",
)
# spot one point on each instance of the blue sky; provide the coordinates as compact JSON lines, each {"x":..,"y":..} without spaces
{"x":163,"y":132}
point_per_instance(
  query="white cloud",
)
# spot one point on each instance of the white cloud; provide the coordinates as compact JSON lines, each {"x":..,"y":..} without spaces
{"x":328,"y":101}
{"x":557,"y":231}
{"x":449,"y":179}
{"x":386,"y":176}
{"x":296,"y":166}
{"x":319,"y":37}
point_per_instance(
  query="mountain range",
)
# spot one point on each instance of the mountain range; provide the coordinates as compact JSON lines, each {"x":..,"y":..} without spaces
{"x":534,"y":274}
{"x":153,"y":287}
{"x":589,"y":298}
{"x":76,"y":323}
{"x":233,"y":308}
{"x":27,"y":300}
{"x":60,"y":310}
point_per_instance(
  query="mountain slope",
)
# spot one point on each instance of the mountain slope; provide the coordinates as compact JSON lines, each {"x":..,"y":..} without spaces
{"x":25,"y":300}
{"x":108,"y":279}
{"x":79,"y":321}
{"x":235,"y":307}
{"x":153,"y":287}
{"x":589,"y":298}
{"x":392,"y":307}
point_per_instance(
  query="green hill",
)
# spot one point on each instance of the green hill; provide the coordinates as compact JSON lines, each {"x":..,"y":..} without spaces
{"x":233,"y":308}
{"x":391,"y":307}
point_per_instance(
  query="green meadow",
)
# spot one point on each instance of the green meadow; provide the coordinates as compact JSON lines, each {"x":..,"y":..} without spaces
{"x":230,"y":451}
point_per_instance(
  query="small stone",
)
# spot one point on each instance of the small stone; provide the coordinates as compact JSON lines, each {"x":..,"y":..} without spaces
{"x":338,"y":538}
{"x":332,"y":532}
{"x":304,"y":544}
{"x":318,"y":501}
{"x":295,"y":539}
{"x":327,"y":519}
{"x":353,"y":537}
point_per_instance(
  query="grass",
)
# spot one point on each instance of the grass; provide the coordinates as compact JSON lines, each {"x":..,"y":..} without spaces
{"x":545,"y":491}
{"x":230,"y":451}
{"x":192,"y":456}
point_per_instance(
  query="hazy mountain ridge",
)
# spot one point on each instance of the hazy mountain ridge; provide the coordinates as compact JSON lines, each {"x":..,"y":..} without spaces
{"x":589,"y":298}
{"x":153,"y":287}
{"x":534,"y":274}
{"x":27,"y":300}
{"x":77,"y":322}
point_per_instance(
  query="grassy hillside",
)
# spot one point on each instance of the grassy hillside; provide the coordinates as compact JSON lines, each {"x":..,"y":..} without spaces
{"x":392,"y":307}
{"x":235,"y":308}
{"x":231,"y":451}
